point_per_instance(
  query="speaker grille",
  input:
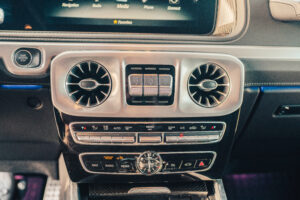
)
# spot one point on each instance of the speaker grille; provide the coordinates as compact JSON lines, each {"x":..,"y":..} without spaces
{"x":208,"y":85}
{"x":88,"y":84}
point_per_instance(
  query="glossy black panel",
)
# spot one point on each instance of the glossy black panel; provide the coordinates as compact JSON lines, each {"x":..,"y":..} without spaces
{"x":71,"y":150}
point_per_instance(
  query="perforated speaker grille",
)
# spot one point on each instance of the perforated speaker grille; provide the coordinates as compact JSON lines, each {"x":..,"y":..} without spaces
{"x":88,"y":84}
{"x":208,"y":85}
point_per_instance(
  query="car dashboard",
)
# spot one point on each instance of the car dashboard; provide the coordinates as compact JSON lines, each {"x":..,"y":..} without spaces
{"x":147,"y":93}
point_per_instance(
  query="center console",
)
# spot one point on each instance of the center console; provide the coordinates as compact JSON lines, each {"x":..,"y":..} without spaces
{"x":137,"y":101}
{"x":145,"y":116}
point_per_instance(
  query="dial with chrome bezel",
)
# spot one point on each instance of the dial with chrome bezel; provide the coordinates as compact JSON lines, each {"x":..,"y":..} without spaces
{"x":149,"y":163}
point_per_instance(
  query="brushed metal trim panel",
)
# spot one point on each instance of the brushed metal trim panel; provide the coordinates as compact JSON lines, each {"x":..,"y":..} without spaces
{"x":137,"y":153}
{"x":116,"y":61}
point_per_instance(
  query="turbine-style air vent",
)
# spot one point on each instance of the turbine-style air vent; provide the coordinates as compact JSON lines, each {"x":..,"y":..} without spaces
{"x":88,"y":84}
{"x":208,"y":85}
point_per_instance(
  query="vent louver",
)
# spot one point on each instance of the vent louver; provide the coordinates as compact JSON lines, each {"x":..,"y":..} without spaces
{"x":208,"y":85}
{"x":88,"y":84}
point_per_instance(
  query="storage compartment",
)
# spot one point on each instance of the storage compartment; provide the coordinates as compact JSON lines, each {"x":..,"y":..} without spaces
{"x":273,"y":129}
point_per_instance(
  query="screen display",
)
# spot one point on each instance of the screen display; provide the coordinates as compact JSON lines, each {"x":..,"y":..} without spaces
{"x":145,"y":16}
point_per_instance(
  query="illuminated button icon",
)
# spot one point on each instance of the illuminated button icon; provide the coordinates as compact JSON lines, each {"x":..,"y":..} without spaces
{"x":174,"y":2}
{"x":203,"y":127}
{"x":105,"y":127}
{"x":193,"y":128}
{"x":171,"y":128}
{"x":120,"y":158}
{"x":94,"y":127}
{"x":108,"y":157}
{"x":115,"y":21}
{"x":127,"y":128}
{"x":83,"y":128}
{"x":201,"y":164}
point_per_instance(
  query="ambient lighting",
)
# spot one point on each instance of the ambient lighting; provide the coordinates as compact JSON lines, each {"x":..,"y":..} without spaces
{"x":21,"y":87}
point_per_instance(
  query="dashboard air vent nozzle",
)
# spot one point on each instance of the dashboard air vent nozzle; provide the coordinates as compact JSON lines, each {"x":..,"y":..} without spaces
{"x":88,"y":83}
{"x":208,"y":85}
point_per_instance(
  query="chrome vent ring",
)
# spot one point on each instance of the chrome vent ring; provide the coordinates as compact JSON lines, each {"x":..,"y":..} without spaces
{"x":208,"y":85}
{"x":88,"y":84}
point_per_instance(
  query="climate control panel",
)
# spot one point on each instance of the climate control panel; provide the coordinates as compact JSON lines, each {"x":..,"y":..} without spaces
{"x":147,"y":133}
{"x":147,"y":163}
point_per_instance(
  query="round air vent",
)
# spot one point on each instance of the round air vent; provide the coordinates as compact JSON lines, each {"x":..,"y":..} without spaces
{"x":208,"y":85}
{"x":88,"y":83}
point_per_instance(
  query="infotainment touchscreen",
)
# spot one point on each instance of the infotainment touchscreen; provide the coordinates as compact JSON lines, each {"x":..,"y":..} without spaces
{"x":140,"y":16}
{"x":171,"y":16}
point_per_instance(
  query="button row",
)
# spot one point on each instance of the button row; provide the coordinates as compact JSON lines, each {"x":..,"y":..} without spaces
{"x":126,"y":163}
{"x":119,"y":164}
{"x":150,"y":85}
{"x":184,"y":165}
{"x":163,"y":127}
{"x":191,"y":139}
{"x":149,"y":138}
{"x":105,"y":139}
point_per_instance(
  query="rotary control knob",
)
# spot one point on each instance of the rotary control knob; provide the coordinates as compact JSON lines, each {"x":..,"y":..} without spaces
{"x":149,"y":163}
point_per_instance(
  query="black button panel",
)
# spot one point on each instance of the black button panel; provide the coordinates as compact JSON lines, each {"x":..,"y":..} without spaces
{"x":148,"y":127}
{"x":150,"y":84}
{"x":125,"y":163}
{"x":147,"y":133}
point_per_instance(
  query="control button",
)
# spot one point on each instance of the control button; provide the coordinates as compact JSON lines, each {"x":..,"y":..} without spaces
{"x":80,"y":127}
{"x":188,"y":164}
{"x":182,"y":127}
{"x":197,"y":138}
{"x":213,"y":137}
{"x":192,"y":127}
{"x":203,"y":163}
{"x":23,"y":57}
{"x":171,"y":127}
{"x":83,"y":138}
{"x":94,"y":165}
{"x":128,"y":139}
{"x":210,"y":127}
{"x":165,"y":85}
{"x":105,"y":127}
{"x":94,"y":127}
{"x":150,"y":85}
{"x":109,"y":165}
{"x":135,"y":82}
{"x":186,"y":138}
{"x":128,"y":127}
{"x":149,"y":139}
{"x":215,"y":127}
{"x":106,"y":139}
{"x":126,"y":166}
{"x":117,"y":128}
{"x":203,"y":127}
{"x":116,"y":139}
{"x":172,"y":139}
{"x":95,"y":138}
{"x":172,"y":166}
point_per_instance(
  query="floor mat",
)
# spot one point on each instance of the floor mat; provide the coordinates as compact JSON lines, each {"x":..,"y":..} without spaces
{"x":265,"y":186}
